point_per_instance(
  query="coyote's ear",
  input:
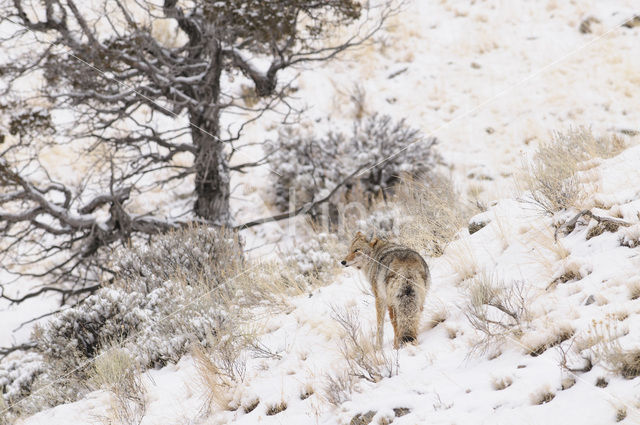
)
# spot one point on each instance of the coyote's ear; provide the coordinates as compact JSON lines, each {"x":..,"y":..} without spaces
{"x":374,"y":242}
{"x":359,"y":235}
{"x":371,"y":235}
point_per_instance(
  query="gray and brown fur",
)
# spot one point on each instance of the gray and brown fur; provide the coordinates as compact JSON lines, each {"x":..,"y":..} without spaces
{"x":399,"y":278}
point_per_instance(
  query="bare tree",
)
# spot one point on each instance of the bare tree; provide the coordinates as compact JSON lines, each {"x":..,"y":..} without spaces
{"x":151,"y":110}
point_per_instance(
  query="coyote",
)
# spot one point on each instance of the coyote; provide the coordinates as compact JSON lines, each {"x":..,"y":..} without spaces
{"x":399,"y":278}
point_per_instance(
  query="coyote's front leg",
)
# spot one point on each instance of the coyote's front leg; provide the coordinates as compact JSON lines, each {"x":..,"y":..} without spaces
{"x":380,"y":312}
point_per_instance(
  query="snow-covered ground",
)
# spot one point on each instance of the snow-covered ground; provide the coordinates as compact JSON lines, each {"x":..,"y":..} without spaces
{"x":444,"y":379}
{"x":490,"y":79}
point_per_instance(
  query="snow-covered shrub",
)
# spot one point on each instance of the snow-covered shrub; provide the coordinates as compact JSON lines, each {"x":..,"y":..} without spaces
{"x":155,"y":328}
{"x":179,"y":276}
{"x":176,"y":290}
{"x":16,"y":380}
{"x":311,"y":260}
{"x":152,"y":329}
{"x":193,"y":254}
{"x":311,"y":165}
{"x":384,"y":222}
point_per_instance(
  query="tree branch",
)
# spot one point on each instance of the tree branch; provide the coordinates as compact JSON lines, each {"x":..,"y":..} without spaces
{"x":303,"y":209}
{"x":5,"y":351}
{"x":65,"y":292}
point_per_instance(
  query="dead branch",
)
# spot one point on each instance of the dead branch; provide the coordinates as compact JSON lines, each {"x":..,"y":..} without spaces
{"x":564,"y":361}
{"x":570,"y":225}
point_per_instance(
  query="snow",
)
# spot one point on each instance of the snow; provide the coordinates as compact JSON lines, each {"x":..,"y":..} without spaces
{"x":438,"y":380}
{"x":521,"y":69}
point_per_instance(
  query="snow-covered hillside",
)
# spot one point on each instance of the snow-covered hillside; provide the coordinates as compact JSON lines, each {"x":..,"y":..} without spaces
{"x":579,"y":300}
{"x":492,"y":80}
{"x":489,"y":79}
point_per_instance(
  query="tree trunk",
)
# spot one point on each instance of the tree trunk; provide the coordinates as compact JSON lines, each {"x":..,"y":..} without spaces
{"x":212,"y":173}
{"x":212,"y":170}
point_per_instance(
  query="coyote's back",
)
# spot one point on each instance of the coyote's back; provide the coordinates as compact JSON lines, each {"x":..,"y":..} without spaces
{"x":399,"y":278}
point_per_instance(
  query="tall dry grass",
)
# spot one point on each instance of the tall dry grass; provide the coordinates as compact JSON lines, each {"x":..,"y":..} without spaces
{"x":363,"y":358}
{"x":436,"y":212}
{"x":551,"y":176}
{"x":117,"y":372}
{"x":602,"y":339}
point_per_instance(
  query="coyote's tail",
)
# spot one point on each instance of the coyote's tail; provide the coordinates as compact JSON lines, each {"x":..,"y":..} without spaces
{"x":408,"y":311}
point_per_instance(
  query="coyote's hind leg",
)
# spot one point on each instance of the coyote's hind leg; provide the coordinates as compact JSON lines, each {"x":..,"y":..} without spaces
{"x":380,"y":312}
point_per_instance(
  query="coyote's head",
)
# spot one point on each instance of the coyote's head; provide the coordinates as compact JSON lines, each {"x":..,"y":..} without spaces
{"x":359,"y":251}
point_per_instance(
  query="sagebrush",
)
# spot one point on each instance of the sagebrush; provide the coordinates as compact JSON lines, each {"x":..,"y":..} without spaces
{"x":309,"y":165}
{"x":497,"y":309}
{"x":186,"y":287}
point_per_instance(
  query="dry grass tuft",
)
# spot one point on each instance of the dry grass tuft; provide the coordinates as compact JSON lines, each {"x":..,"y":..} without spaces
{"x":545,"y":249}
{"x":250,"y":407}
{"x":626,"y":363}
{"x":621,"y":413}
{"x":4,"y":413}
{"x":307,"y":392}
{"x":567,"y":382}
{"x":462,"y":260}
{"x":551,"y":181}
{"x":276,"y":408}
{"x":452,"y":332}
{"x":543,"y":396}
{"x":567,"y":276}
{"x":599,"y":228}
{"x":338,"y":387}
{"x":634,"y":289}
{"x":265,"y":283}
{"x":221,"y":366}
{"x":551,"y":175}
{"x":117,"y":372}
{"x":603,"y":339}
{"x":500,"y":384}
{"x":437,"y":317}
{"x":570,"y":269}
{"x":216,"y":385}
{"x":436,"y":210}
{"x":363,"y":358}
{"x":598,"y":332}
{"x":544,"y":238}
{"x":113,"y":369}
{"x":561,"y":334}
